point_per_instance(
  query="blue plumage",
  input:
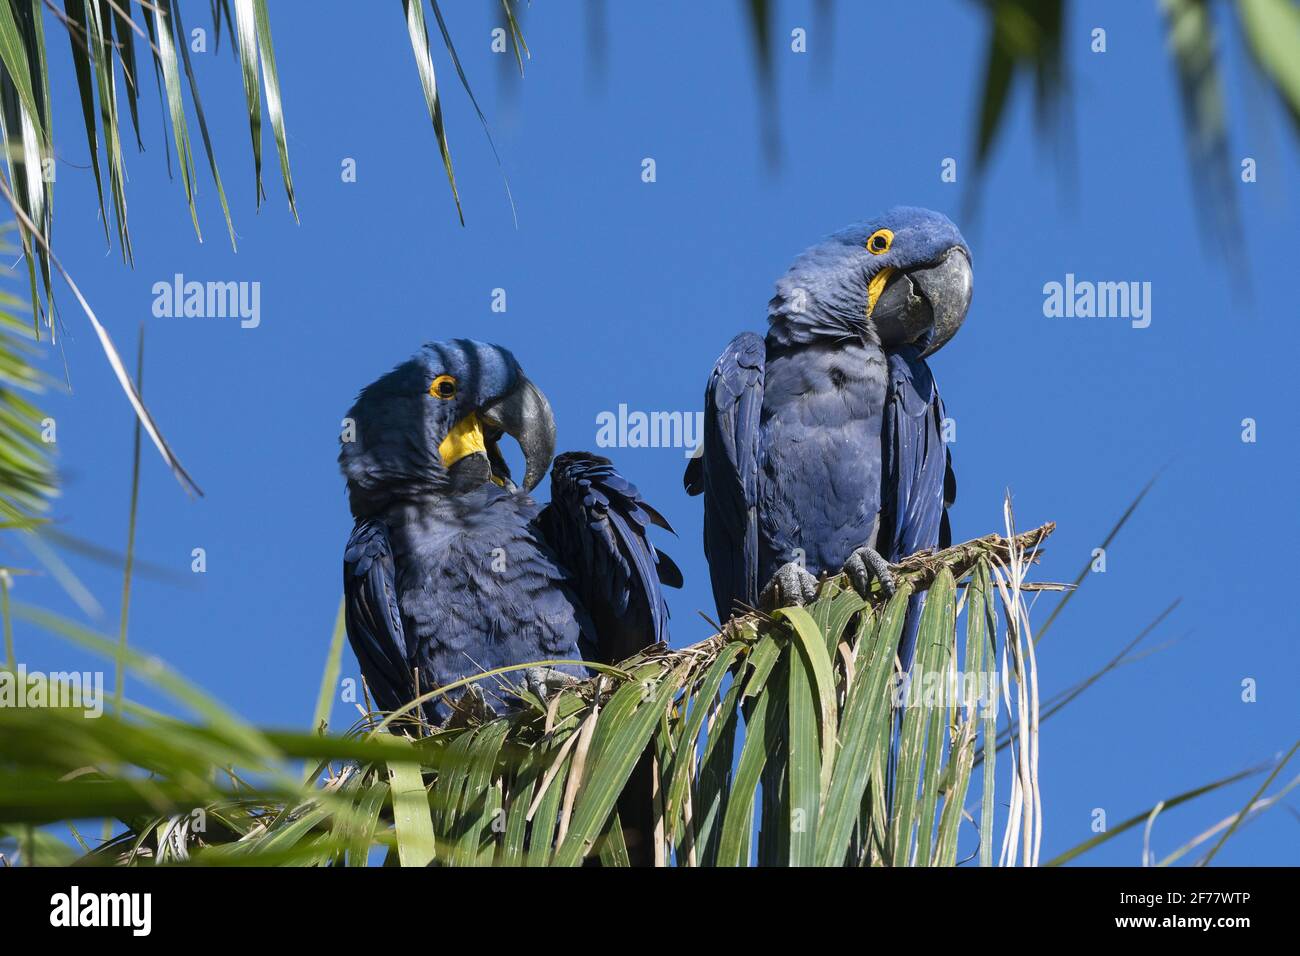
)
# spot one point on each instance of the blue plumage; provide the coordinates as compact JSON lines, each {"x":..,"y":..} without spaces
{"x":916,"y":470}
{"x":823,"y":441}
{"x":726,"y":471}
{"x":452,"y":570}
{"x":598,"y":525}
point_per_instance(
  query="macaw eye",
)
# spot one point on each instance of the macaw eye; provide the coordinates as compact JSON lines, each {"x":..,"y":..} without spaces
{"x":880,"y":241}
{"x":444,"y":386}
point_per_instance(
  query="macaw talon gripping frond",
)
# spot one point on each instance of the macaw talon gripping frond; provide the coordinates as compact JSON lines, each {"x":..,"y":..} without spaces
{"x":865,"y":565}
{"x":792,"y":584}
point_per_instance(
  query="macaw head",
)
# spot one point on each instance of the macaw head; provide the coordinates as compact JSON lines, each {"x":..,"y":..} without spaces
{"x":903,"y":278}
{"x":432,"y":424}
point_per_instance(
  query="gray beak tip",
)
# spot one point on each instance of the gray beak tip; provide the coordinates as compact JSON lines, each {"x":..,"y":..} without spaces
{"x":539,"y":462}
{"x":949,"y":287}
{"x":525,"y":415}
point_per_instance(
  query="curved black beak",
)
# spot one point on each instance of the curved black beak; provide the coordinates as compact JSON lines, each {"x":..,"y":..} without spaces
{"x":525,"y":415}
{"x":925,"y":305}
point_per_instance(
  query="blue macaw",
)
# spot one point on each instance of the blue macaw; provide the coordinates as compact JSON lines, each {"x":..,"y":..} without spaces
{"x":823,"y":447}
{"x":452,"y":570}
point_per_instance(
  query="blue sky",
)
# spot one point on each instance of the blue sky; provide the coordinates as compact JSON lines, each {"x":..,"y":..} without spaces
{"x":619,"y":291}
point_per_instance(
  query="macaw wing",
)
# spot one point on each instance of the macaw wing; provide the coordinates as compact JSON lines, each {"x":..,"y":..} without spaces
{"x":949,"y":490}
{"x":917,"y":482}
{"x":727,"y":472}
{"x":916,"y":469}
{"x":598,"y":526}
{"x":374,"y":622}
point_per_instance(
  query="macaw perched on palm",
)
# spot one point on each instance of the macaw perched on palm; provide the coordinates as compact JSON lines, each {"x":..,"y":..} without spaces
{"x":823,"y":447}
{"x":452,"y":570}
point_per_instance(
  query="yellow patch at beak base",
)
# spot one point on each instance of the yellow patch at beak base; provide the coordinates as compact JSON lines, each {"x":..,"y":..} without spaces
{"x":464,"y":439}
{"x":877,"y":286}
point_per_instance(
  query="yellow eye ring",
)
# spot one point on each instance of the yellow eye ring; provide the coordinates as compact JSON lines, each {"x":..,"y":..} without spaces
{"x":878,"y":242}
{"x":444,"y":387}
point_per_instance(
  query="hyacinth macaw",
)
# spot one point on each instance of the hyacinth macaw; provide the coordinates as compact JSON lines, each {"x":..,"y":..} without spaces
{"x":823,"y":447}
{"x":452,"y":570}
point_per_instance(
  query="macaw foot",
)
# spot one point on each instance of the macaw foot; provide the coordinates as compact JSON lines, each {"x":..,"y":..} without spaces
{"x":792,"y":584}
{"x":544,"y":681}
{"x":865,"y":564}
{"x":471,"y":707}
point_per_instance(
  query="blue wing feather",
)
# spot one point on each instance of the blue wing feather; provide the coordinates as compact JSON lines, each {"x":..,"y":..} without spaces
{"x":374,"y":622}
{"x":916,"y":474}
{"x":598,"y":525}
{"x":727,"y":472}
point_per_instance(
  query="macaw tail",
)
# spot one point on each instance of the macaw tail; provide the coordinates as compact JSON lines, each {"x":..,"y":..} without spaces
{"x":911,"y":626}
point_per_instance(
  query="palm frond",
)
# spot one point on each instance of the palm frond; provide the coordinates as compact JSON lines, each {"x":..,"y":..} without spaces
{"x":1025,"y":37}
{"x":419,"y":34}
{"x":813,"y":690}
{"x":27,"y":477}
{"x":788,"y":738}
{"x":1193,"y":45}
{"x":102,"y":39}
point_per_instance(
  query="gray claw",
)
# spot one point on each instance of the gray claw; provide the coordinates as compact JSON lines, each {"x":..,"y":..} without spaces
{"x":865,"y":564}
{"x":792,"y":584}
{"x":543,"y":680}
